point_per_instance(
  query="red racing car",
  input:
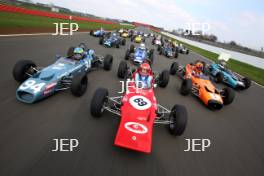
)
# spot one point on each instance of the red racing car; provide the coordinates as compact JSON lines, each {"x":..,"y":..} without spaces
{"x":139,"y":111}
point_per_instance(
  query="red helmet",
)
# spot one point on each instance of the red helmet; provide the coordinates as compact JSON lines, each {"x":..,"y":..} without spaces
{"x":144,"y":69}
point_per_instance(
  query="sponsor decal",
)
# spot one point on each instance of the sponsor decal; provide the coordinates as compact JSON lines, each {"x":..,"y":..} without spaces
{"x":136,"y":127}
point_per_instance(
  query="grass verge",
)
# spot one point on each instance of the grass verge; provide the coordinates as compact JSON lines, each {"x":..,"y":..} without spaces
{"x":21,"y":21}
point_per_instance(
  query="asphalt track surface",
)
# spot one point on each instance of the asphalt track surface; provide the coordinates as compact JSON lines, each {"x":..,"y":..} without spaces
{"x":27,"y":131}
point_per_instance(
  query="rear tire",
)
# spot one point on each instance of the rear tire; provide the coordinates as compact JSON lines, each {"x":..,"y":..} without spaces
{"x":101,"y":40}
{"x":21,"y":68}
{"x":174,"y":68}
{"x":91,"y":32}
{"x":164,"y":78}
{"x":79,"y":85}
{"x":186,"y":87}
{"x":70,"y":52}
{"x":108,"y":61}
{"x":122,"y":70}
{"x":132,"y":48}
{"x":178,"y":116}
{"x":124,"y":42}
{"x":98,"y":101}
{"x":228,"y":96}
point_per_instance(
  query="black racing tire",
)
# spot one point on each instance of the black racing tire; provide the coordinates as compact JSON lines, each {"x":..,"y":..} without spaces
{"x":127,"y":54}
{"x":176,"y":54}
{"x":186,"y":87}
{"x":159,"y":48}
{"x":187,"y":51}
{"x":70,"y":51}
{"x":132,"y":48}
{"x":99,"y":99}
{"x":228,"y":95}
{"x":21,"y":68}
{"x":179,"y":118}
{"x":122,"y":70}
{"x":174,"y":68}
{"x":164,"y":78}
{"x":117,"y":45}
{"x":79,"y":85}
{"x":101,"y":40}
{"x":108,"y":62}
{"x":247,"y":82}
{"x":219,"y":77}
{"x":124,"y":42}
{"x":91,"y":32}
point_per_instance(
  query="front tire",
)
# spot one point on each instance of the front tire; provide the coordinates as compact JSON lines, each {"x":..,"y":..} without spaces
{"x":247,"y":82}
{"x":178,"y":118}
{"x":122,"y":70}
{"x":21,"y":68}
{"x":174,"y":68}
{"x":99,"y":99}
{"x":186,"y":87}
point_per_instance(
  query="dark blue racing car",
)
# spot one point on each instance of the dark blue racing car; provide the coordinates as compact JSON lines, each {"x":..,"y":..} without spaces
{"x":66,"y":73}
{"x":112,"y":40}
{"x":139,"y":54}
{"x":98,"y":33}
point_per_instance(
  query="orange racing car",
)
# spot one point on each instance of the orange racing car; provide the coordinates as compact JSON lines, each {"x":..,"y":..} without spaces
{"x":197,"y":82}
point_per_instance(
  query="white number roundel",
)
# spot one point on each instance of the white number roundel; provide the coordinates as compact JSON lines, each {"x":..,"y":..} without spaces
{"x":140,"y":102}
{"x":136,"y":127}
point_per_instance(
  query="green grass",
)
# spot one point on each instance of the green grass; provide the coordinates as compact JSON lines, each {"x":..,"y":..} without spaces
{"x":17,"y":21}
{"x":254,"y":73}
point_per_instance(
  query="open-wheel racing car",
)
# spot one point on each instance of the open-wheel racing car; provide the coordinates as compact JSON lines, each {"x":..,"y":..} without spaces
{"x":112,"y":40}
{"x":66,"y":73}
{"x":140,"y":54}
{"x":182,"y":49}
{"x":198,"y":83}
{"x":138,"y":39}
{"x":139,"y":111}
{"x":222,"y":74}
{"x":168,"y":50}
{"x":98,"y":33}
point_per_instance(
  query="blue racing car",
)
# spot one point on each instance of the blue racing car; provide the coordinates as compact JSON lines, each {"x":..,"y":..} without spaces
{"x":221,"y":73}
{"x":168,"y":50}
{"x":98,"y":33}
{"x":139,"y":54}
{"x":66,"y":73}
{"x":112,"y":40}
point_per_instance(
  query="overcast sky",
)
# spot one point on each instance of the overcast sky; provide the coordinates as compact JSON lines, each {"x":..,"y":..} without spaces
{"x":238,"y":20}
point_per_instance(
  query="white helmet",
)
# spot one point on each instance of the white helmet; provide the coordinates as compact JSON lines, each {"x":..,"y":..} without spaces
{"x":142,"y":46}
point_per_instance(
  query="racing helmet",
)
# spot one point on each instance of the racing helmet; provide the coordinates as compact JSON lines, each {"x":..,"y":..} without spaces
{"x":78,"y":53}
{"x":222,"y":64}
{"x":142,"y":46}
{"x":144,"y":69}
{"x":199,"y":67}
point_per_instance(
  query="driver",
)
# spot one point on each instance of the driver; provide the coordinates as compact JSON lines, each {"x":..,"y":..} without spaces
{"x":142,"y":46}
{"x":143,"y":76}
{"x":78,"y":53}
{"x":198,"y":69}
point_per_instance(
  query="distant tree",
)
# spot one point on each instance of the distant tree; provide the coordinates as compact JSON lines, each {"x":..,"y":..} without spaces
{"x":233,"y":43}
{"x":212,"y":38}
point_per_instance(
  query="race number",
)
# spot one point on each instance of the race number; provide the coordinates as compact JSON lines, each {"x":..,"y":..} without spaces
{"x":140,"y":102}
{"x":31,"y":84}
